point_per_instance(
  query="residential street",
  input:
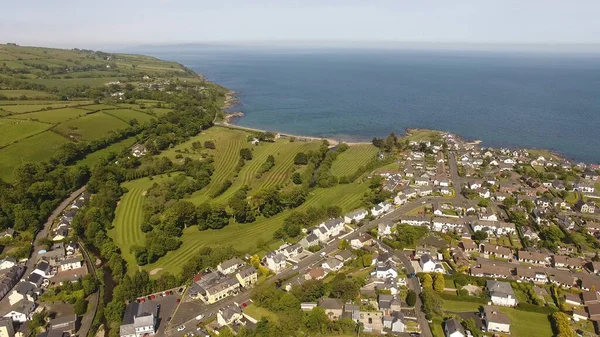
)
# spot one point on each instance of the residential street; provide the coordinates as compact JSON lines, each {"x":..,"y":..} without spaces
{"x":42,"y":233}
{"x":187,"y":311}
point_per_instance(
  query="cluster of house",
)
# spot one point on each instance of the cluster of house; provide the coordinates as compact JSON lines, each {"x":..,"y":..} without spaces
{"x":62,"y":229}
{"x":387,"y":316}
{"x":492,"y":321}
{"x":230,"y":277}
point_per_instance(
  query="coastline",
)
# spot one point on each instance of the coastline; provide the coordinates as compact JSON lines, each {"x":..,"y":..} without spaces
{"x":231,"y":101}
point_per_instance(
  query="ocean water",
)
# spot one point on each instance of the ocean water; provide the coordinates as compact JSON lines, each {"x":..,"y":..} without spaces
{"x":502,"y":98}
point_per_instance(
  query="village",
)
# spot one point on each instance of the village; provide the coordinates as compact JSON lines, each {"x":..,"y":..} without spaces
{"x":508,"y":231}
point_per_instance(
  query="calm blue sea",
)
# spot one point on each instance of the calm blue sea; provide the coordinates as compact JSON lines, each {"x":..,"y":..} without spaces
{"x":503,"y":98}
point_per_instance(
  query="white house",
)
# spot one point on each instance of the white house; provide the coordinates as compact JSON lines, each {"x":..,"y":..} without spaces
{"x":356,"y":215}
{"x":385,"y":270}
{"x":43,"y":269}
{"x":444,"y":224}
{"x":275,"y":261}
{"x":333,"y":227}
{"x":140,"y":319}
{"x":70,"y":263}
{"x":21,"y":311}
{"x":400,"y":198}
{"x":420,"y":181}
{"x":362,"y":240}
{"x":427,"y":263}
{"x":332,"y":264}
{"x":381,"y":208}
{"x":495,"y":321}
{"x":501,"y":293}
{"x":452,"y":328}
{"x":7,"y":262}
{"x":230,"y":266}
{"x":484,"y":215}
{"x":384,"y":229}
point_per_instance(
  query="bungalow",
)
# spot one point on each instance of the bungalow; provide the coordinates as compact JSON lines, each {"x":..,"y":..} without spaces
{"x":573,"y":299}
{"x":344,"y":255}
{"x":579,"y":315}
{"x":531,"y":275}
{"x":332,"y":264}
{"x":495,"y":321}
{"x":317,"y":273}
{"x":496,"y":227}
{"x":333,"y":308}
{"x":410,"y":193}
{"x":415,"y":220}
{"x":444,"y":225}
{"x":362,"y":240}
{"x":275,"y":261}
{"x":565,"y":262}
{"x":484,"y":193}
{"x":484,"y":215}
{"x":562,"y":279}
{"x":445,"y":190}
{"x":498,"y":251}
{"x":594,"y":312}
{"x":590,"y":175}
{"x":533,"y":257}
{"x":381,"y":208}
{"x":475,"y":185}
{"x":70,"y":263}
{"x":590,"y":297}
{"x":460,"y":258}
{"x":425,"y":191}
{"x":356,"y":215}
{"x":501,"y":293}
{"x":420,"y":181}
{"x":588,"y":282}
{"x":469,"y":246}
{"x":491,"y":270}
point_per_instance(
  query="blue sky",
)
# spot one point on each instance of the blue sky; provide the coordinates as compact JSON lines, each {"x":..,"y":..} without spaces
{"x":83,"y":23}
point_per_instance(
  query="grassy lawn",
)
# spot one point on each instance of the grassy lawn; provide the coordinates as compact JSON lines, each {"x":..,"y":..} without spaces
{"x":421,"y":135}
{"x":13,"y":129}
{"x":436,"y":327}
{"x":524,"y":323}
{"x":416,"y":211}
{"x":31,"y":94}
{"x":350,"y":160}
{"x":259,"y":312}
{"x":33,"y":149}
{"x":461,"y":306}
{"x":24,"y":108}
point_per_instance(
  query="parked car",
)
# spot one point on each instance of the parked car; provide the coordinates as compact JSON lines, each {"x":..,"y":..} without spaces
{"x":181,"y":328}
{"x":199,"y":317}
{"x":322,"y":254}
{"x":295,"y":267}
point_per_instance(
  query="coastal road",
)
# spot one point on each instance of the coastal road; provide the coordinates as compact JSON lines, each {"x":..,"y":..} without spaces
{"x":187,"y":311}
{"x":42,"y":233}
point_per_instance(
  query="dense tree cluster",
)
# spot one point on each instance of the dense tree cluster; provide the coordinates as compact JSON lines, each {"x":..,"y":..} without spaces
{"x":390,"y":143}
{"x":406,"y":236}
{"x":295,"y":221}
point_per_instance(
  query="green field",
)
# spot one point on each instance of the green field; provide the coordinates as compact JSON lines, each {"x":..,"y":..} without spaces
{"x":126,"y":230}
{"x":92,"y":158}
{"x":33,"y":149}
{"x":127,"y":115}
{"x":54,"y":116}
{"x":228,"y":143}
{"x":243,"y":237}
{"x":350,"y":160}
{"x":90,"y":127}
{"x":64,"y":83}
{"x":23,"y":108}
{"x":30,"y":94}
{"x":13,"y":129}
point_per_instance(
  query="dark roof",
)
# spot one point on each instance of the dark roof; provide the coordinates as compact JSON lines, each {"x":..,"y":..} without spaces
{"x":64,"y":323}
{"x":452,"y":325}
{"x":331,"y":303}
{"x":135,"y":309}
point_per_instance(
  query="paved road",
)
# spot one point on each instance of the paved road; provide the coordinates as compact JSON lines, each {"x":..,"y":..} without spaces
{"x":187,"y":311}
{"x":42,"y":233}
{"x":414,"y":285}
